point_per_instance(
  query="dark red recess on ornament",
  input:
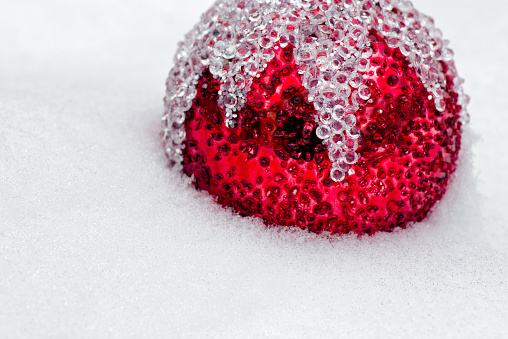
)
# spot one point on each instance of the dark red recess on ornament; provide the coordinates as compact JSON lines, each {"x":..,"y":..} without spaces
{"x":273,"y":166}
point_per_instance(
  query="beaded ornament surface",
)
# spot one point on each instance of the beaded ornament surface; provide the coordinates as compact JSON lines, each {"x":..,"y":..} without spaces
{"x":236,"y":40}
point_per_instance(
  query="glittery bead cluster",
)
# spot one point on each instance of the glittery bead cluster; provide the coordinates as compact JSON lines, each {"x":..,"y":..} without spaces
{"x":235,"y":40}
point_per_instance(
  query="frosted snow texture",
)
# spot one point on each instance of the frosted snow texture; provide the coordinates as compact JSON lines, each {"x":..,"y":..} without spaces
{"x":99,"y":239}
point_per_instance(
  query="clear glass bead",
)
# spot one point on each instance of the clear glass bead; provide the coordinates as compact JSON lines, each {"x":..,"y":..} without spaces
{"x":323,"y":132}
{"x":337,"y":175}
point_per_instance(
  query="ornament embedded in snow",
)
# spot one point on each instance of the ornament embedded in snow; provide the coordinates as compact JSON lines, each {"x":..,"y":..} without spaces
{"x":336,"y":116}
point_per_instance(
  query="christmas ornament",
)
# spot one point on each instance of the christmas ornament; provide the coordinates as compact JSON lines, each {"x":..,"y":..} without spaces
{"x":339,"y":116}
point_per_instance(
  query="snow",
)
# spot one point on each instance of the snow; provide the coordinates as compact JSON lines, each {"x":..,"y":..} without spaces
{"x":98,"y":238}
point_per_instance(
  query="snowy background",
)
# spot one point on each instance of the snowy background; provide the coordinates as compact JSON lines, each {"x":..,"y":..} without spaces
{"x":99,"y":239}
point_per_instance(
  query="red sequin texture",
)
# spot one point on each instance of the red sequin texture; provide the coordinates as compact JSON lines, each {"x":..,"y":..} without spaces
{"x":273,"y":166}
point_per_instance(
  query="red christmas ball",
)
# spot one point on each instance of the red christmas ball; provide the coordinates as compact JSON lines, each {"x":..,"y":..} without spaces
{"x":339,"y":116}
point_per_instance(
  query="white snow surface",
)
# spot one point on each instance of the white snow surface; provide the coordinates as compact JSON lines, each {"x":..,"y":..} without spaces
{"x":99,"y":239}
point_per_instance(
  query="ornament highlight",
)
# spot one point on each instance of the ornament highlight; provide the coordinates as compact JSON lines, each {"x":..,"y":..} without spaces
{"x":339,"y":116}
